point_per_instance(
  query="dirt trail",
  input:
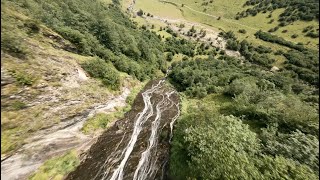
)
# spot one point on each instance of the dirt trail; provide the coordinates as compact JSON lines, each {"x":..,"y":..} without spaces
{"x":54,"y":141}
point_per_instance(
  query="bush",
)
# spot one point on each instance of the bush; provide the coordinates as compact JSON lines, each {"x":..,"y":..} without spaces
{"x":312,"y":34}
{"x":238,"y":86}
{"x":77,"y":38}
{"x":13,"y":45}
{"x":294,"y":10}
{"x":98,"y":68}
{"x":228,"y":35}
{"x":196,"y":91}
{"x":140,"y":13}
{"x":33,"y":26}
{"x":233,"y":45}
{"x":243,"y":31}
{"x":213,"y":148}
{"x":23,"y":78}
{"x":275,"y":39}
{"x":169,"y":56}
{"x":296,"y":145}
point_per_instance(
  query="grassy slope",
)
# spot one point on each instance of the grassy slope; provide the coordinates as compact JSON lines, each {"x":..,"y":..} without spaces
{"x":228,"y":12}
{"x":57,"y":167}
{"x":52,"y":73}
{"x":158,"y":8}
{"x":260,"y":21}
{"x":101,"y":121}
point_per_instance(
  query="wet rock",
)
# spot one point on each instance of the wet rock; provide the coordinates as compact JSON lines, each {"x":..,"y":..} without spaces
{"x":274,"y":69}
{"x":119,"y":131}
{"x":127,"y":137}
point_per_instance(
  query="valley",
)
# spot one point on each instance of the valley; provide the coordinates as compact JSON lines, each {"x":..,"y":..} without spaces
{"x":153,"y":89}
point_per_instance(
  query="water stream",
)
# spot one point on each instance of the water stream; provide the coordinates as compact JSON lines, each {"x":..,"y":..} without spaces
{"x":136,"y":147}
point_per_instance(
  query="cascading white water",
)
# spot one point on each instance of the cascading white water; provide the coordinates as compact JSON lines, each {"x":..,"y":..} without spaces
{"x":121,"y":162}
{"x":118,"y":172}
{"x":145,"y":168}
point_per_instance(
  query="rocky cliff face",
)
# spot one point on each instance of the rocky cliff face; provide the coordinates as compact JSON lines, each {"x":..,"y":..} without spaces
{"x":137,"y":146}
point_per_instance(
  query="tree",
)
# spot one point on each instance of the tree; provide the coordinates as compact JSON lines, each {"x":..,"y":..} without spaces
{"x":221,"y":148}
{"x":243,"y":31}
{"x":239,"y":86}
{"x":169,"y":56}
{"x":203,"y":33}
{"x":192,"y":30}
{"x":98,"y":68}
{"x":233,"y":45}
{"x":283,"y":168}
{"x":140,"y":12}
{"x":298,"y":146}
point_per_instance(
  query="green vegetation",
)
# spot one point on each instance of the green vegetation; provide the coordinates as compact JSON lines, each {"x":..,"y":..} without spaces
{"x":17,"y":105}
{"x":100,"y":121}
{"x":12,"y":45}
{"x":57,"y":167}
{"x":275,"y":39}
{"x":99,"y":69}
{"x":306,"y":10}
{"x":182,"y":46}
{"x":228,"y":13}
{"x":23,"y":78}
{"x":264,"y":125}
{"x":305,"y":64}
{"x":222,"y":147}
{"x":108,"y":34}
{"x":242,"y":118}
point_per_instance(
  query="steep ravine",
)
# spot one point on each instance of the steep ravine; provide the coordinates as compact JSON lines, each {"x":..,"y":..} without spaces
{"x":137,"y":146}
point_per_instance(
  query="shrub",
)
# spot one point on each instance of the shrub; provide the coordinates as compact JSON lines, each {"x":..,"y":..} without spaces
{"x":243,"y":31}
{"x":140,"y":13}
{"x":13,"y":45}
{"x":238,"y":86}
{"x":17,"y":105}
{"x":169,"y":56}
{"x":275,"y":39}
{"x":98,"y":68}
{"x":233,"y":45}
{"x":312,"y":34}
{"x":23,"y":78}
{"x":33,"y":26}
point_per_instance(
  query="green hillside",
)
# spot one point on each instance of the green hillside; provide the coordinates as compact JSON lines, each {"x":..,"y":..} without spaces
{"x":247,"y":73}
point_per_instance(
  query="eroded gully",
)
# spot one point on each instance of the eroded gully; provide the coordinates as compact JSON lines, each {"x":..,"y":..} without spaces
{"x":137,"y":146}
